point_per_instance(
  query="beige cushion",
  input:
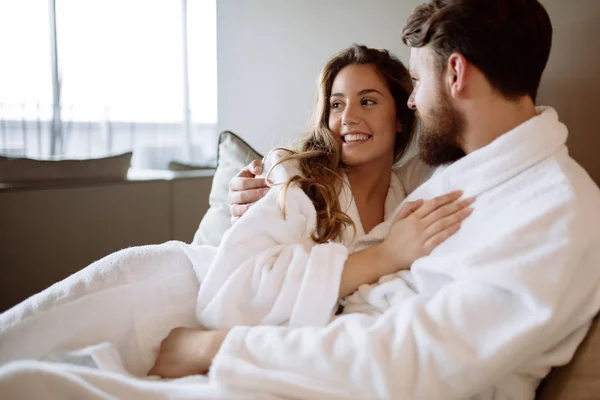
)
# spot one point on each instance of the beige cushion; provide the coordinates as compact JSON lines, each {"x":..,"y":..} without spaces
{"x":13,"y":170}
{"x":180,"y":166}
{"x":580,"y":379}
{"x":233,"y":154}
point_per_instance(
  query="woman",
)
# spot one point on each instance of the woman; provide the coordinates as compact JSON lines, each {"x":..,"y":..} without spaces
{"x":308,"y":242}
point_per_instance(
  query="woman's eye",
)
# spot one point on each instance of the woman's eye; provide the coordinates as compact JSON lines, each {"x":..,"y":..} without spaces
{"x":335,"y":105}
{"x":368,"y":102}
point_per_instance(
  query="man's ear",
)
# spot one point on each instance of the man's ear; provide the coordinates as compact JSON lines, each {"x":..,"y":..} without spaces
{"x":456,"y":74}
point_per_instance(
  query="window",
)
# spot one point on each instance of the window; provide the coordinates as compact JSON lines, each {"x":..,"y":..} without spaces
{"x":129,"y":74}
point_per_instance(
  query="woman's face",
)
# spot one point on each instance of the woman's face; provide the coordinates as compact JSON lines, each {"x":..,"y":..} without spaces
{"x":363,"y":114}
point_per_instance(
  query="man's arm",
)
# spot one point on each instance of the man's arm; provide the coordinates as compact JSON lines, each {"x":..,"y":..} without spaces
{"x":464,"y":338}
{"x":246,"y":189}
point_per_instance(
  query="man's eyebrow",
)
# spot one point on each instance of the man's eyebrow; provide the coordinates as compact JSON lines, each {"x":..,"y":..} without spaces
{"x":361,"y":93}
{"x":412,"y":72}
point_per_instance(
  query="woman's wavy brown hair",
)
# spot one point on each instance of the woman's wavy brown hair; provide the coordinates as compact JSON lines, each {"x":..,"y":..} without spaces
{"x":319,"y":154}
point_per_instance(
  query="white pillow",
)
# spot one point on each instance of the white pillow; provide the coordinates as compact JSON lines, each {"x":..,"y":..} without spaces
{"x":233,"y":154}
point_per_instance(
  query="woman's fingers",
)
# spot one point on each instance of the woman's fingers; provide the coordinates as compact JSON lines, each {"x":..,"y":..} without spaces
{"x":446,"y":223}
{"x":408,"y":208}
{"x":446,"y":210}
{"x":437,"y":202}
{"x":441,"y":236}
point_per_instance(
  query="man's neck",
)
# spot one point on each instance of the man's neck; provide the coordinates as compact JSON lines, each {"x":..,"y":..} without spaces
{"x":488,"y":120}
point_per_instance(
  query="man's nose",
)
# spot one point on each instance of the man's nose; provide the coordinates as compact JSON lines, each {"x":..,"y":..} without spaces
{"x":411,"y":102}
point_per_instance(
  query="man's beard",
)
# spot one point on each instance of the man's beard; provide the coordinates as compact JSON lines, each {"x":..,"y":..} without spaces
{"x":440,"y":134}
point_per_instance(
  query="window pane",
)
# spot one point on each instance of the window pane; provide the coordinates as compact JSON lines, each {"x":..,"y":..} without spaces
{"x":121,"y":79}
{"x":121,"y":59}
{"x":25,"y":77}
{"x":202,"y":60}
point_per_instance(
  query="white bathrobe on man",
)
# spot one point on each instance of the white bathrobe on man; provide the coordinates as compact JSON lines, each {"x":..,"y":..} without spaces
{"x":487,"y":314}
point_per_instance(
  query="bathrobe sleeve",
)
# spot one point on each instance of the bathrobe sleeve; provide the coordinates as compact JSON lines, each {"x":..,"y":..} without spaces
{"x":268,"y":270}
{"x":509,"y":304}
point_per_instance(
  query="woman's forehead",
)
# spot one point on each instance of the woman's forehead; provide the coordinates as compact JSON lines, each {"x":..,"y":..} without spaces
{"x":358,"y":77}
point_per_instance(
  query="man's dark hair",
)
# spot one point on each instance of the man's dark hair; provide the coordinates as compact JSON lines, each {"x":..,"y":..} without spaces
{"x":508,"y":40}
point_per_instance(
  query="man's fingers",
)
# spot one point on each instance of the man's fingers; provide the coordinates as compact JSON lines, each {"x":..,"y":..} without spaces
{"x":246,"y":196}
{"x":241,"y":183}
{"x":437,"y":202}
{"x":409,"y":208}
{"x":256,"y":167}
{"x":237,"y":210}
{"x":245,"y":173}
{"x":251,"y":170}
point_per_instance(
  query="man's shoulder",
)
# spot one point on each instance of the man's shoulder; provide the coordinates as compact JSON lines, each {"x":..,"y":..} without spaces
{"x":559,"y":191}
{"x":584,"y":191}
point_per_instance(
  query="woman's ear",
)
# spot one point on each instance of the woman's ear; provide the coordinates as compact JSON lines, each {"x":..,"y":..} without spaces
{"x":398,"y":127}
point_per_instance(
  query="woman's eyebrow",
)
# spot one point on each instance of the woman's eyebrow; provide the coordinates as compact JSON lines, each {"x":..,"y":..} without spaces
{"x":361,"y":93}
{"x":367,"y":91}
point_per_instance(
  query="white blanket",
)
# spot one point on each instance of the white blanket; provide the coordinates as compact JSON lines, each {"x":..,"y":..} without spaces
{"x":118,"y":310}
{"x":487,"y":314}
{"x":98,"y":330}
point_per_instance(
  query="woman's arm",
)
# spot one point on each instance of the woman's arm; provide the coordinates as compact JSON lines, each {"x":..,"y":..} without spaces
{"x":418,"y":228}
{"x":269,"y":271}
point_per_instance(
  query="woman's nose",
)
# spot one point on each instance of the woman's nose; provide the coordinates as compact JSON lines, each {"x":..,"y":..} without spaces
{"x":350,"y":116}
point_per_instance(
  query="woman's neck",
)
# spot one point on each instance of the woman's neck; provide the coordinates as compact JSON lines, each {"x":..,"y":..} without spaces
{"x":370,"y":185}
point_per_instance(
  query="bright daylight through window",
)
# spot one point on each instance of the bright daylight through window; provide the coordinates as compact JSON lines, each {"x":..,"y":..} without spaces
{"x":90,"y":78}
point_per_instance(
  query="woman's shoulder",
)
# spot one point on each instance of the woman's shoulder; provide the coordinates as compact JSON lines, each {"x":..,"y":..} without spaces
{"x":291,"y":198}
{"x":279,"y":170}
{"x":413,"y":173}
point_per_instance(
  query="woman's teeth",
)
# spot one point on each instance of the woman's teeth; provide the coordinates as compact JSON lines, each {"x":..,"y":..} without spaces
{"x":357,"y":137}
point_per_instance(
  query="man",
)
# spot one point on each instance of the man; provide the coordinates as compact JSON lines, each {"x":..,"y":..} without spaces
{"x":511,"y":295}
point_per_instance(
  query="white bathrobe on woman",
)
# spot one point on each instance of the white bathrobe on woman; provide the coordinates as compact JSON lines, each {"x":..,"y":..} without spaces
{"x":269,"y":271}
{"x":486,"y":315}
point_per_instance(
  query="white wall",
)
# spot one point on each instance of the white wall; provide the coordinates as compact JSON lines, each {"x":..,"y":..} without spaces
{"x":270,"y":53}
{"x":571,"y":81}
